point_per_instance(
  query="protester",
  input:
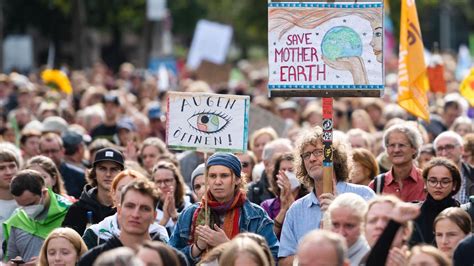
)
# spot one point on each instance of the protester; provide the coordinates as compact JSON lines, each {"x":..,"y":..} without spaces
{"x":74,"y":148}
{"x":260,"y":190}
{"x":402,"y":144}
{"x":309,"y":170}
{"x":52,"y":177}
{"x":98,"y":233}
{"x":285,"y":190}
{"x":135,"y":214}
{"x":8,"y":168}
{"x":108,"y":128}
{"x":96,"y":197}
{"x":427,"y":152}
{"x":157,"y":254}
{"x":321,"y":247}
{"x":230,"y":212}
{"x":29,"y":143}
{"x":450,"y":227}
{"x":346,"y":218}
{"x":213,"y":256}
{"x":173,"y":196}
{"x":363,"y":168}
{"x":443,"y":180}
{"x":51,"y":145}
{"x":388,"y":229}
{"x":243,"y":251}
{"x":463,"y":252}
{"x":259,"y":139}
{"x":468,"y":144}
{"x":41,"y":211}
{"x":150,"y":151}
{"x":249,"y":161}
{"x":462,"y":125}
{"x":427,"y":255}
{"x":450,"y":145}
{"x":197,"y":181}
{"x":119,"y":256}
{"x":63,"y":246}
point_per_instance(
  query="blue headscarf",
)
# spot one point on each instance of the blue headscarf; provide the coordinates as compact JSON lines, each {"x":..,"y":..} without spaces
{"x":226,"y":159}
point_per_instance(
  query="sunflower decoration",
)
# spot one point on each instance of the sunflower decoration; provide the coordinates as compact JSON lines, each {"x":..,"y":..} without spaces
{"x":57,"y":79}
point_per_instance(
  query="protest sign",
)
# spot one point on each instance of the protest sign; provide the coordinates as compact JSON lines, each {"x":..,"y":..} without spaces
{"x":18,"y":53}
{"x":260,"y":118}
{"x":325,"y":49}
{"x":213,"y":74}
{"x":207,"y":122}
{"x":211,"y":42}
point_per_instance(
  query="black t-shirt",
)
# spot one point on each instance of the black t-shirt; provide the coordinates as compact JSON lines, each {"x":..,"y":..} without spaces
{"x":104,"y":132}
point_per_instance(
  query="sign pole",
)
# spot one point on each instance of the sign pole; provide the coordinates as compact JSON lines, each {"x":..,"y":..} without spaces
{"x":206,"y":179}
{"x":327,"y":143}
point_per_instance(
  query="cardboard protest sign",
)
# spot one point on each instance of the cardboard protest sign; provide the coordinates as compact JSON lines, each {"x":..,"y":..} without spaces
{"x":207,"y":122}
{"x":211,"y":41}
{"x":212,"y":73}
{"x":260,"y":118}
{"x":325,"y":48}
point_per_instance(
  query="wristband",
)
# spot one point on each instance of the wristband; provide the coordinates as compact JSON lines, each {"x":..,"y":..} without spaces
{"x":200,"y":249}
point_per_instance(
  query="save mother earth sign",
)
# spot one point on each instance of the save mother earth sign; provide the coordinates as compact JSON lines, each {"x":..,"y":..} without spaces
{"x":316,"y":46}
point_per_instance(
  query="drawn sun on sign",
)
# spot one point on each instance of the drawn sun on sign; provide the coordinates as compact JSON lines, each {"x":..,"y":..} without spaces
{"x":209,"y":122}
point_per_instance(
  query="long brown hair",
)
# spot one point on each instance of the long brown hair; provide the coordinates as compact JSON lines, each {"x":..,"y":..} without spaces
{"x":49,"y":167}
{"x":180,"y":190}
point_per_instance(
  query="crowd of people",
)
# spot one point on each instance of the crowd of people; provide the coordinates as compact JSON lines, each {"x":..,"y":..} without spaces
{"x":87,"y":179}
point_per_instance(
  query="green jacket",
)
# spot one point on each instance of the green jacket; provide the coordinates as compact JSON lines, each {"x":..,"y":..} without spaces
{"x":58,"y":207}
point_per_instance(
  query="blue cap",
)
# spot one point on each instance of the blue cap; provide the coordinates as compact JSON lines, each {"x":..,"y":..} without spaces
{"x":154,"y":112}
{"x":126,"y":123}
{"x":226,"y":159}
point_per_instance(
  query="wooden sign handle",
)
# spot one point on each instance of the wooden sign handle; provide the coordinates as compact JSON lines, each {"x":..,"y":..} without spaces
{"x":327,"y":143}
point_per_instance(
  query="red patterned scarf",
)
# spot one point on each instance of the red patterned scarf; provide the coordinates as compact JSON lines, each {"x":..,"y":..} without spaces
{"x":230,"y":210}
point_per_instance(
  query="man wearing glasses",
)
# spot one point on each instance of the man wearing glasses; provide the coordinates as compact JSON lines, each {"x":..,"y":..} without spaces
{"x":402,"y":143}
{"x":96,"y":201}
{"x":449,"y":144}
{"x":52,"y":146}
{"x":306,"y":213}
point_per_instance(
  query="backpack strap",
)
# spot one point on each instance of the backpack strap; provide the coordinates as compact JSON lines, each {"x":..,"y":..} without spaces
{"x":379,"y":182}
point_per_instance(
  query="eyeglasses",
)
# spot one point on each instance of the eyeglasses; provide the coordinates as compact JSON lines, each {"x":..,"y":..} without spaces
{"x":166,"y":182}
{"x":443,"y":183}
{"x":401,"y":146}
{"x":316,"y":153}
{"x":447,"y":147}
{"x":245,"y":164}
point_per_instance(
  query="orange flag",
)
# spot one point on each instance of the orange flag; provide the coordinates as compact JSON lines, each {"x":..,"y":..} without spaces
{"x":412,"y":82}
{"x":467,"y":87}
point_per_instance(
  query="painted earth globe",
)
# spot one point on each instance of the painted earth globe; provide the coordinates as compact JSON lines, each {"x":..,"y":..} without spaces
{"x":340,"y":42}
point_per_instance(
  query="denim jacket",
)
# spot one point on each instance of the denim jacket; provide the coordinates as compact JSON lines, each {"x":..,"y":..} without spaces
{"x":252,"y":219}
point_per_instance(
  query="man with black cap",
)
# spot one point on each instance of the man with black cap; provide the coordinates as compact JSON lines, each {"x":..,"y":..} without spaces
{"x":108,"y":128}
{"x":96,"y":202}
{"x":230,"y":213}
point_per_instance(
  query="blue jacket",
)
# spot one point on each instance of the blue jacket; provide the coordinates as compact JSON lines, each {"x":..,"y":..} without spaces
{"x":252,"y":219}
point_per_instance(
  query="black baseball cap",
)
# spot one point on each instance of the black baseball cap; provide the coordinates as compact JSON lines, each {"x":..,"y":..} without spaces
{"x":109,"y":154}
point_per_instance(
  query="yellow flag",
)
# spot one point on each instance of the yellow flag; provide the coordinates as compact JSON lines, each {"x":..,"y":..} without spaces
{"x":412,"y":82}
{"x":57,"y":79}
{"x":467,"y":87}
